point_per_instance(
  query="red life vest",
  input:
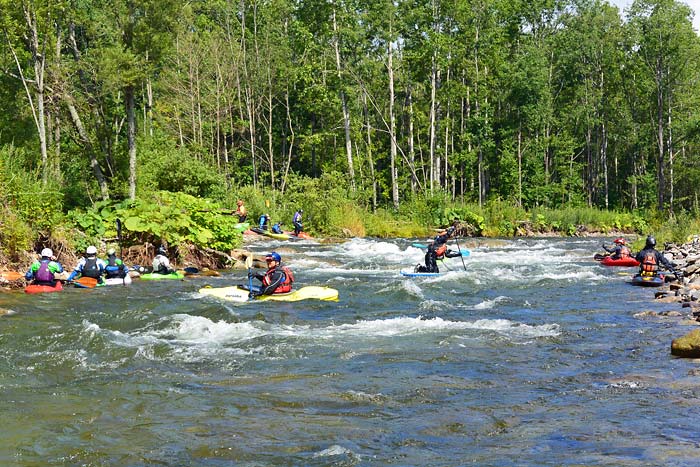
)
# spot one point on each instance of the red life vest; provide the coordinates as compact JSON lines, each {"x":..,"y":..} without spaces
{"x":286,"y":285}
{"x":441,"y":250}
{"x":649,"y":265}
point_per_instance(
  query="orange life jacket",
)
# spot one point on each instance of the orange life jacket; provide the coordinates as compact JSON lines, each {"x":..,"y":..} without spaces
{"x":441,"y":250}
{"x":649,"y":264}
{"x":286,"y":285}
{"x":625,"y":252}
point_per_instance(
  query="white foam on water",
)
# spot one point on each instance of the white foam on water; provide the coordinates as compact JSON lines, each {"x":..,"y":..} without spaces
{"x":335,"y":450}
{"x":489,"y":304}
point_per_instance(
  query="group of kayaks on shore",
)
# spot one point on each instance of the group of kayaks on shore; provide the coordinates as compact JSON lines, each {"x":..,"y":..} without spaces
{"x":649,"y":261}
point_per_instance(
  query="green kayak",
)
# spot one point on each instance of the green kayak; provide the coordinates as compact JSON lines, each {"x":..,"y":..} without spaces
{"x":158,"y":277}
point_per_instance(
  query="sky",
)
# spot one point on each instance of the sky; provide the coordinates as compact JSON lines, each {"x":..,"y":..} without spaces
{"x":693,"y":4}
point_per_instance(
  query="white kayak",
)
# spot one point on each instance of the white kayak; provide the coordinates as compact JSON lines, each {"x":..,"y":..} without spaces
{"x":118,"y":281}
{"x":236,"y":294}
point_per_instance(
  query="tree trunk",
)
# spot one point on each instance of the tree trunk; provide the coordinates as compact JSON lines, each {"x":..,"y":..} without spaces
{"x":85,"y":138}
{"x":131,"y":138}
{"x":392,"y":127}
{"x":343,"y":100}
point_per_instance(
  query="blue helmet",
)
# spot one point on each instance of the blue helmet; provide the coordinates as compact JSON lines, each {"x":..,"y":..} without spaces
{"x":274,"y":255}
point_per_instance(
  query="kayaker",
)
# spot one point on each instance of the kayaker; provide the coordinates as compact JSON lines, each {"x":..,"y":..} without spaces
{"x":89,"y":266}
{"x":264,"y":222}
{"x":115,"y":268}
{"x":277,"y":228}
{"x":619,"y":250}
{"x":41,"y":272}
{"x":161,"y":263}
{"x":241,"y":211}
{"x":277,"y":279}
{"x":650,"y":259}
{"x":296,"y":220}
{"x":437,"y":249}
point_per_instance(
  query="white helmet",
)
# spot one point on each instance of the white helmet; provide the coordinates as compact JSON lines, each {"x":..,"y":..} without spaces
{"x":91,"y":250}
{"x":46,"y":253}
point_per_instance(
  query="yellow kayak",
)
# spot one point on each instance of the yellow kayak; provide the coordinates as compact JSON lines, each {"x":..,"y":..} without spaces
{"x":236,"y":294}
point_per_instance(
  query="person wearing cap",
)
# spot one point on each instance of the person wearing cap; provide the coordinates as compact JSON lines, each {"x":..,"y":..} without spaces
{"x":437,"y":249}
{"x":264,"y":222}
{"x":161,"y":263}
{"x":89,"y":266}
{"x":42,"y":272}
{"x":296,"y":220}
{"x":115,"y":268}
{"x":277,"y":279}
{"x":241,"y":211}
{"x":619,"y":250}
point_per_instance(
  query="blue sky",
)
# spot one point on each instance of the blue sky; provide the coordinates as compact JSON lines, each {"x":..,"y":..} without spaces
{"x":694,"y":4}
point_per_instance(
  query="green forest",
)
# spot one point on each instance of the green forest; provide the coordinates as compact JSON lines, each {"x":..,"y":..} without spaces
{"x":377,"y":117}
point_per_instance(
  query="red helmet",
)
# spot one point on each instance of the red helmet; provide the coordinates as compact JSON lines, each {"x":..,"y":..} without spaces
{"x":620,"y":241}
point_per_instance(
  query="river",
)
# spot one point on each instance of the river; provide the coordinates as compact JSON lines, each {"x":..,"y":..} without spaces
{"x":531,"y":356}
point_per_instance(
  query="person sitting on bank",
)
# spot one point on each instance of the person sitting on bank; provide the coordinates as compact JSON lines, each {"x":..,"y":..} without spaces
{"x":296,"y":220}
{"x":650,"y":259}
{"x":161,"y":263}
{"x":437,"y":249}
{"x":619,"y":250}
{"x":277,"y":228}
{"x":115,"y":268}
{"x":264,"y":222}
{"x":241,"y":211}
{"x":89,"y":266}
{"x":277,"y":279}
{"x":42,"y":271}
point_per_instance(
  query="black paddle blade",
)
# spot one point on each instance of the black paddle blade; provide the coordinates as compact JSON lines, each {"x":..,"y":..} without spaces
{"x":119,"y":229}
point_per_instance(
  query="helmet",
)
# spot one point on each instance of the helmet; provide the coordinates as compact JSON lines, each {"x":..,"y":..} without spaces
{"x":301,"y":210}
{"x":111,"y":252}
{"x":91,"y":250}
{"x":274,"y":255}
{"x":651,"y":242}
{"x":620,"y":241}
{"x":267,"y":215}
{"x":46,"y":253}
{"x":161,"y":250}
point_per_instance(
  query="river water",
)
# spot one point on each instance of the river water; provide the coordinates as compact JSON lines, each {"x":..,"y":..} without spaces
{"x":530,"y":357}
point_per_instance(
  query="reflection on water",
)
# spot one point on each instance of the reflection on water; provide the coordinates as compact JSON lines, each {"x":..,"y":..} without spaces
{"x":526,"y":354}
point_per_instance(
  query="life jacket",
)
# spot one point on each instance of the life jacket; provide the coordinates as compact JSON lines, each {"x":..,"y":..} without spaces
{"x":649,"y":265}
{"x":286,"y":285}
{"x":625,"y":252}
{"x":441,"y":250}
{"x":114,"y":270}
{"x":277,"y":229}
{"x":44,"y":275}
{"x":91,"y":269}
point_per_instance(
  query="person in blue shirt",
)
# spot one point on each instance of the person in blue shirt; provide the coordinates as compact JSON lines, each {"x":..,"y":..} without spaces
{"x":89,"y":266}
{"x":277,"y":228}
{"x":42,"y":272}
{"x":264,"y":223}
{"x":115,"y":268}
{"x":296,"y":220}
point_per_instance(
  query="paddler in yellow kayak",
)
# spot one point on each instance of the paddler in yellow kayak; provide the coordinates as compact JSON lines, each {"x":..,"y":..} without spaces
{"x":278,"y":278}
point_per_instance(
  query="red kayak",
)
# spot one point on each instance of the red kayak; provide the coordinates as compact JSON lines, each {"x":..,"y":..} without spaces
{"x":36,"y":288}
{"x":625,"y":262}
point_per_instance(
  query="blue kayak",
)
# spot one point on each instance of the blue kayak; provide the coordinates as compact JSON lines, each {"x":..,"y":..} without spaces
{"x":648,"y":281}
{"x":419,"y":274}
